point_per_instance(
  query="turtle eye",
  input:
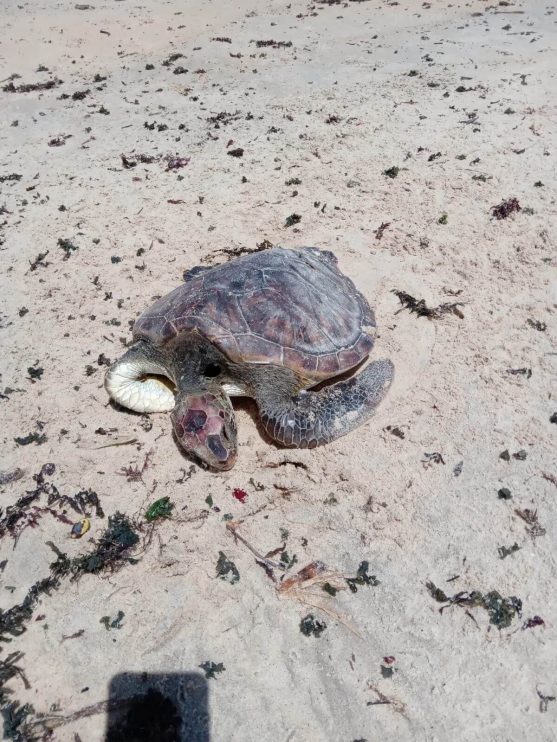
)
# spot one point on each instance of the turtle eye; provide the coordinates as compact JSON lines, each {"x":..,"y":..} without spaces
{"x":212,"y":370}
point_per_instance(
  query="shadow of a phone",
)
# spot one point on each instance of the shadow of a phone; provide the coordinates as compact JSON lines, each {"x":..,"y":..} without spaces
{"x":158,"y":707}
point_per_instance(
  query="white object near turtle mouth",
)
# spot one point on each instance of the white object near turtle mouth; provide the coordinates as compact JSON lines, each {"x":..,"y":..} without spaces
{"x":139,"y":386}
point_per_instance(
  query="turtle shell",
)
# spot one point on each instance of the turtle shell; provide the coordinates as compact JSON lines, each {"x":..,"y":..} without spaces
{"x":281,"y":307}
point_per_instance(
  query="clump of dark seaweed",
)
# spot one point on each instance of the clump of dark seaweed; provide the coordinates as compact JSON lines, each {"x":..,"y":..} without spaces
{"x":505,"y":208}
{"x":362,"y":578}
{"x":311,"y":626}
{"x":501,"y":610}
{"x":419,"y":307}
{"x":112,"y":550}
{"x":30,"y":87}
{"x":226,"y":569}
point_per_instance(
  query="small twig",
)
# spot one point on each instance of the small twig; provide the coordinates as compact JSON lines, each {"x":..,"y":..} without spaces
{"x":232,"y":527}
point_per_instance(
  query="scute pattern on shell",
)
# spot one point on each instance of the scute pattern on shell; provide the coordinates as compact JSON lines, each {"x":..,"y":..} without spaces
{"x":291,"y":308}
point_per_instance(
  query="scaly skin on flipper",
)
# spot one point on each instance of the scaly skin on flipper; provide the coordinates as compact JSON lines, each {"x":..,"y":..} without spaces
{"x":310,"y":419}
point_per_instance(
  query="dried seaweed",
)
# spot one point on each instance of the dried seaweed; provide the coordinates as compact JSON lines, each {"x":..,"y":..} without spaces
{"x":505,"y":551}
{"x":311,"y":626}
{"x":272,"y":43}
{"x":537,"y":325}
{"x":530,"y":517}
{"x":35,"y":437}
{"x":532,"y":622}
{"x":39,"y":261}
{"x":212,"y":669}
{"x":501,"y":610}
{"x":11,"y":176}
{"x":31,"y":87}
{"x":362,"y":578}
{"x":505,"y":208}
{"x":292,"y":219}
{"x":432,"y":458}
{"x":226,"y":569}
{"x":67,"y":246}
{"x":113,"y":623}
{"x":392,"y":172}
{"x":15,"y":716}
{"x":380,"y":230}
{"x":419,"y":307}
{"x":171,"y":59}
{"x":112,"y":550}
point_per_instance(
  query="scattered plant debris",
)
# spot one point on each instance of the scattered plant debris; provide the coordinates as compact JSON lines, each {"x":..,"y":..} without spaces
{"x":501,"y":610}
{"x":35,"y":437}
{"x":59,"y":141}
{"x":114,"y":623}
{"x":12,"y":176}
{"x":537,"y":325}
{"x":172,"y":58}
{"x":530,"y":517}
{"x":291,"y":220}
{"x":274,"y":44}
{"x":362,"y":578}
{"x":504,"y":551}
{"x":520,"y":372}
{"x":419,"y":307}
{"x":544,"y":701}
{"x":35,"y":372}
{"x":380,"y":229}
{"x":31,"y":87}
{"x":505,"y":208}
{"x":223,"y":39}
{"x":173,"y":162}
{"x":212,"y":669}
{"x":311,"y":626}
{"x":112,"y":550}
{"x":159,"y":509}
{"x":226,"y":569}
{"x":67,"y":246}
{"x":532,"y":622}
{"x":39,"y":261}
{"x":392,"y":172}
{"x":134,"y":473}
{"x":432,"y":458}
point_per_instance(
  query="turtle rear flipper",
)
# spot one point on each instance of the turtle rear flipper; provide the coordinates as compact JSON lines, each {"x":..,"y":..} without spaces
{"x":310,"y":419}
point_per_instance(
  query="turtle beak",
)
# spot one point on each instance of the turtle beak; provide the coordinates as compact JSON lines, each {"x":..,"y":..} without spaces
{"x":205,"y":427}
{"x":139,"y":383}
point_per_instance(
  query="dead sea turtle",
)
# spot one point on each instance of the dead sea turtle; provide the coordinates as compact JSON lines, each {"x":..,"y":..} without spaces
{"x":269,"y":325}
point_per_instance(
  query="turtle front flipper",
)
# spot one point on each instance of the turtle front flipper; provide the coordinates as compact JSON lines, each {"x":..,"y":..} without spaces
{"x":311,"y":419}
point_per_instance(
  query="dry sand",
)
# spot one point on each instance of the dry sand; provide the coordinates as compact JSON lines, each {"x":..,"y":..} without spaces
{"x":362,"y":88}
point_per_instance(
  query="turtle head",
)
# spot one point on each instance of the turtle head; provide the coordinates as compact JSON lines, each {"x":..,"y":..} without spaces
{"x":205,"y":426}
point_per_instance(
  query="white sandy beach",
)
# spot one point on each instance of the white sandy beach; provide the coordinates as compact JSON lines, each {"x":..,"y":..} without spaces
{"x":460,"y":97}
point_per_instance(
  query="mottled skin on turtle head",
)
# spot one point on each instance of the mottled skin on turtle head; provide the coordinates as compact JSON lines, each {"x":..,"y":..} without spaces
{"x":205,"y":427}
